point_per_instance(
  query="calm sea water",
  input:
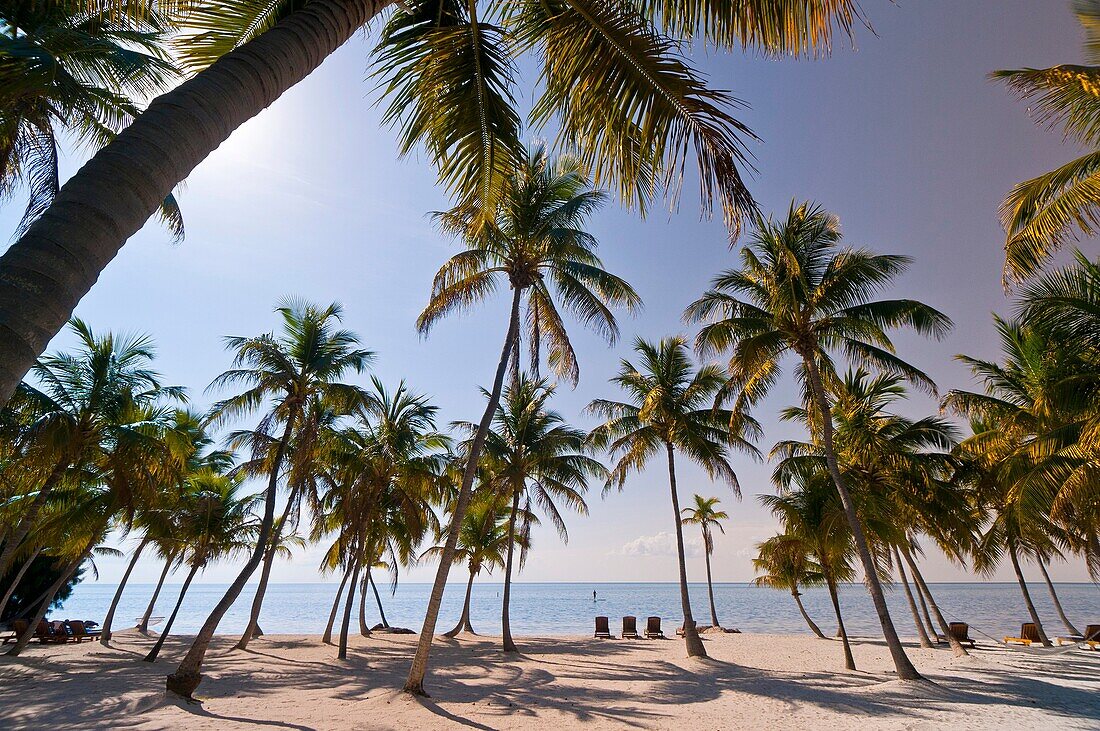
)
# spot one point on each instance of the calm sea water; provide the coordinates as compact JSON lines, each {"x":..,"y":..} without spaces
{"x":568,"y":609}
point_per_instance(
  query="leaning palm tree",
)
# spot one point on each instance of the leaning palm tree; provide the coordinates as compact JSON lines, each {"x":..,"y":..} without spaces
{"x":1042,"y":214}
{"x":288,"y":373}
{"x":537,"y":245}
{"x":671,"y":409}
{"x":615,"y":82}
{"x":704,"y":515}
{"x":786,"y":562}
{"x":797,"y":292}
{"x":537,"y":460}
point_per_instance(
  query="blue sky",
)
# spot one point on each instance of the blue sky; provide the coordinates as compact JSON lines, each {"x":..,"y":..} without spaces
{"x":903,"y":137}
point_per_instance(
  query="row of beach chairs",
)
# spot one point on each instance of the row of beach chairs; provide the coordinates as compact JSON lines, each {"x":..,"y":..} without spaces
{"x":630,"y":629}
{"x":54,"y":633}
{"x":1029,"y":635}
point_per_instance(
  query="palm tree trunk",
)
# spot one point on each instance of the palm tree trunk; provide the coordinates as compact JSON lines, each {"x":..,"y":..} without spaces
{"x":691,"y":635}
{"x":1050,"y":587}
{"x":24,"y":639}
{"x":904,"y":667}
{"x":250,"y":629}
{"x":710,"y":585}
{"x":1027,"y":595}
{"x":188,"y":675}
{"x":805,"y":615}
{"x":152,"y":656}
{"x":924,"y":639}
{"x":105,"y":632}
{"x":932,"y":634}
{"x":464,"y":620}
{"x":327,"y":638}
{"x":143,"y":625}
{"x":15,"y":538}
{"x":378,"y":600}
{"x":415,"y":682}
{"x":342,"y":653}
{"x":52,"y":266}
{"x":509,"y":645}
{"x":956,"y":646}
{"x":849,"y":660}
{"x":364,"y":630}
{"x":15,"y":581}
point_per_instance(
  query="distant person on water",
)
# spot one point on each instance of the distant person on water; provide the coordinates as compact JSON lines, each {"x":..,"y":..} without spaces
{"x":593,"y":595}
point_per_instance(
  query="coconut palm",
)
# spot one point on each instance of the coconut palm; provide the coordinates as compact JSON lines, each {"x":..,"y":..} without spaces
{"x":798,"y":292}
{"x":786,"y":562}
{"x":1042,"y":214}
{"x":534,"y":460}
{"x":287,"y":373}
{"x":704,"y":515}
{"x":615,"y":83}
{"x":671,"y":409}
{"x":536,"y":244}
{"x":215,"y":521}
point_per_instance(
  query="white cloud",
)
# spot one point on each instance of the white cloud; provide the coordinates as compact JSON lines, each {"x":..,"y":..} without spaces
{"x":661,"y":544}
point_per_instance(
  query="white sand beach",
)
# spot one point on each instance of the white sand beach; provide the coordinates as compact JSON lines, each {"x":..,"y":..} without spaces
{"x":751,"y":681}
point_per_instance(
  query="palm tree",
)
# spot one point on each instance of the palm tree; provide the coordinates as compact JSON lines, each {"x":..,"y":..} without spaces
{"x":615,"y":83}
{"x":534,"y":459}
{"x":536,"y":236}
{"x":289,"y":372}
{"x":704,"y":515}
{"x":77,"y":70}
{"x":798,"y":292}
{"x":1042,"y":214}
{"x":672,"y":408}
{"x":215,"y":521}
{"x":786,"y":563}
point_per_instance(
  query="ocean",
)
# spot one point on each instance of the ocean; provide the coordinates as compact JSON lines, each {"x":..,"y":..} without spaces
{"x":549,"y":609}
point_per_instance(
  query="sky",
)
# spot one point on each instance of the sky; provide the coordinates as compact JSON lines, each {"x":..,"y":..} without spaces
{"x":902,"y":136}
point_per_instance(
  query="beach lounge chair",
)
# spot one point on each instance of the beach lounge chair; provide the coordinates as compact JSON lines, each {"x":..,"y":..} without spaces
{"x":18,"y":627}
{"x":630,"y":628}
{"x":46,"y":634}
{"x":653,"y":629}
{"x":961,"y":632}
{"x":1029,"y":633}
{"x":79,"y":632}
{"x":603,"y":629}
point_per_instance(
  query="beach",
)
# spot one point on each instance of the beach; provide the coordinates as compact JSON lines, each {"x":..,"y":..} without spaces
{"x":750,"y":681}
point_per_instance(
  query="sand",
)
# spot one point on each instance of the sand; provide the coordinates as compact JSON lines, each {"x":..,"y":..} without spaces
{"x":751,"y":681}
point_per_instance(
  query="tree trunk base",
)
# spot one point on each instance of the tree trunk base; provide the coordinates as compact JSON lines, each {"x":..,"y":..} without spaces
{"x":694,"y":643}
{"x":183,"y":684}
{"x":416,"y":689}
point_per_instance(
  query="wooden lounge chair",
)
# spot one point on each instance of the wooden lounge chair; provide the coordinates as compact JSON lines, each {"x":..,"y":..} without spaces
{"x":630,"y":628}
{"x":961,"y":632}
{"x":653,"y":629}
{"x":1091,"y":638}
{"x":79,"y":632}
{"x":1029,"y":634}
{"x":603,"y":629}
{"x":18,"y":627}
{"x":47,"y":636}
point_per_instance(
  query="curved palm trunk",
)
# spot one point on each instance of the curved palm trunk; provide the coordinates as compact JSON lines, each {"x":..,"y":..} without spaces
{"x":47,"y":599}
{"x":364,"y":630}
{"x":378,"y":600}
{"x":925,"y":641}
{"x":932,"y":634}
{"x":1050,"y":587}
{"x":956,"y":646}
{"x":188,"y":676}
{"x":849,"y":660}
{"x":691,"y":636}
{"x":251,"y":630}
{"x":105,"y":632}
{"x":1027,"y":595}
{"x":710,"y":585}
{"x":15,"y":581}
{"x":327,"y":637}
{"x":152,"y":656}
{"x":509,"y":645}
{"x":16,"y":537}
{"x":342,"y":653}
{"x":143,"y":625}
{"x":805,"y":615}
{"x":45,"y":273}
{"x":415,"y":682}
{"x":464,"y":621}
{"x":902,"y":663}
